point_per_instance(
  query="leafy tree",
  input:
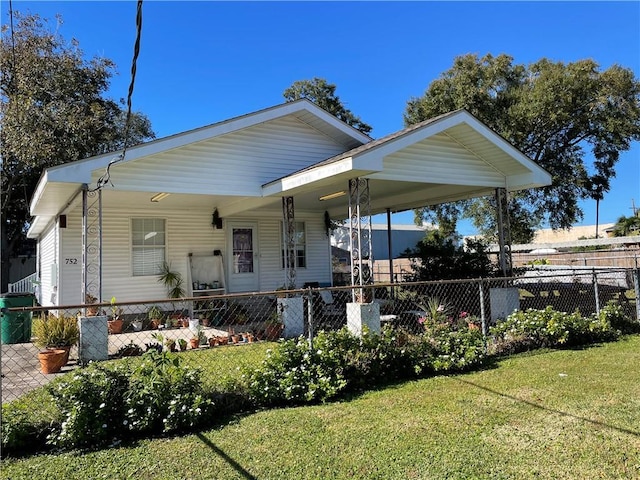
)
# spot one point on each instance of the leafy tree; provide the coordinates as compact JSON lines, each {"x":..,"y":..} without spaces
{"x":437,"y":257}
{"x":52,"y":111}
{"x":323,"y":94}
{"x":554,"y":113}
{"x":626,"y":226}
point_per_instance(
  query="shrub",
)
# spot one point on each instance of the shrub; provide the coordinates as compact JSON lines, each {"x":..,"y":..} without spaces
{"x":294,"y":373}
{"x":164,"y":396}
{"x":101,"y":404}
{"x":615,"y":314}
{"x":526,"y":330}
{"x":91,"y":404}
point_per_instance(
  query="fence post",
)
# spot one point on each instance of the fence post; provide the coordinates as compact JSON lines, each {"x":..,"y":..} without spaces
{"x":483,"y":316}
{"x":310,"y":316}
{"x":595,"y":291}
{"x":636,"y":287}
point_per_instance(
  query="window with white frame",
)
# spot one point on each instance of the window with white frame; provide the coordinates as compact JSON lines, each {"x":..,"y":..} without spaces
{"x":300,"y":245}
{"x":148,"y":237}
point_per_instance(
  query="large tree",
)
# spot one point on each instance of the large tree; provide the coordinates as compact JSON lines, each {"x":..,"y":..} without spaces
{"x":53,"y":110}
{"x":324,"y":95}
{"x":573,"y":119}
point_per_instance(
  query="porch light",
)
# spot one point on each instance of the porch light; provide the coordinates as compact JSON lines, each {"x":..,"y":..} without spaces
{"x":332,"y":195}
{"x":216,"y":221}
{"x":159,"y":196}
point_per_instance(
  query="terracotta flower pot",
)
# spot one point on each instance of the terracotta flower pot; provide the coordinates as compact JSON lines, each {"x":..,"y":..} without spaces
{"x":115,"y":326}
{"x":194,"y":342}
{"x":273,"y":331}
{"x":51,"y":361}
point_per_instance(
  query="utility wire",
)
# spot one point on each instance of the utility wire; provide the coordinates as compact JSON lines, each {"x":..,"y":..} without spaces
{"x":106,"y":177}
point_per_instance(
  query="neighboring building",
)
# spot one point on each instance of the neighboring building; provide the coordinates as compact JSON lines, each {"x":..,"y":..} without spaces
{"x":220,"y":190}
{"x":402,"y":237}
{"x":549,"y":235}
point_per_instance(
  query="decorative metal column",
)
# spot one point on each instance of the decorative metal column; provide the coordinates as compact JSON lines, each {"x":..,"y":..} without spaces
{"x":289,"y":242}
{"x":360,"y":239}
{"x":504,"y":231}
{"x":91,"y":243}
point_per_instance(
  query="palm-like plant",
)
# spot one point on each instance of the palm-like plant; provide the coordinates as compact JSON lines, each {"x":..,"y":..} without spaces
{"x":627,"y":226}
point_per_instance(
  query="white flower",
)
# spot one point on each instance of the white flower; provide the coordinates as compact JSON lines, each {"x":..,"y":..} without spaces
{"x":102,"y":405}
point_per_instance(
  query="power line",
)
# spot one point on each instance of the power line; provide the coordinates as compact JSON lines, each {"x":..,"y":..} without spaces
{"x":106,"y":177}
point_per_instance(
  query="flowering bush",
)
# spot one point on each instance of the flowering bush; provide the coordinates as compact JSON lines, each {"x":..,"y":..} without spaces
{"x":164,"y":396}
{"x":296,"y":373}
{"x":100,"y":404}
{"x":525,"y":330}
{"x":91,"y":406}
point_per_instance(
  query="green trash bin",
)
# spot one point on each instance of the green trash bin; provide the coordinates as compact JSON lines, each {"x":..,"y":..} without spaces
{"x":16,"y":326}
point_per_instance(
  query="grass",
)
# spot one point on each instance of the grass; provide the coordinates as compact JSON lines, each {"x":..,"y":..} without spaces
{"x":571,"y":414}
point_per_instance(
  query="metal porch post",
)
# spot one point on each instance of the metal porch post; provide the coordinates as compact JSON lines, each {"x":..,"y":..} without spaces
{"x":504,"y":232}
{"x":289,"y":242}
{"x":360,"y":237}
{"x":91,"y":243}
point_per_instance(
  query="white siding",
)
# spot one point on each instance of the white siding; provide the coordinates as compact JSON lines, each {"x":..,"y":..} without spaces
{"x":48,"y":251}
{"x":318,"y":267}
{"x":438,"y":160}
{"x":238,"y":163}
{"x":69,"y":290}
{"x":187,"y":232}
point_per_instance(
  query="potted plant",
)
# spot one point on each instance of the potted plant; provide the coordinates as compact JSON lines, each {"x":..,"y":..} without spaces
{"x":182,"y":344}
{"x":273,"y":327}
{"x":155,"y":317}
{"x":56,"y":332}
{"x":115,"y":322}
{"x":137,"y":324}
{"x":171,"y":280}
{"x":92,"y":310}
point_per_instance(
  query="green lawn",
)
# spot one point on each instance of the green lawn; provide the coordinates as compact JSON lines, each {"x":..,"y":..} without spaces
{"x":572,"y":414}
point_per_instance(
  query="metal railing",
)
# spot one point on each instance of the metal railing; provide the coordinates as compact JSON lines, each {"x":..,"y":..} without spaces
{"x":212,"y":329}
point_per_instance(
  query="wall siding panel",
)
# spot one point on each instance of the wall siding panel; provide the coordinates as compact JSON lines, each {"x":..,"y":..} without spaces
{"x":234,"y":164}
{"x":187,"y":232}
{"x":48,"y":257}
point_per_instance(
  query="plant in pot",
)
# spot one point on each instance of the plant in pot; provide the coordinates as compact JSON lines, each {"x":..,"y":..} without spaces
{"x":92,"y":310}
{"x":197,"y":335}
{"x":273,"y":327}
{"x":182,"y":344}
{"x":115,"y":321}
{"x":155,"y":317}
{"x":172,"y":281}
{"x":137,"y":324}
{"x":55,"y":333}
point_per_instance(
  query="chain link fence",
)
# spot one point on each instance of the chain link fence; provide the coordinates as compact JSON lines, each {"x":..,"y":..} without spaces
{"x":225,"y":333}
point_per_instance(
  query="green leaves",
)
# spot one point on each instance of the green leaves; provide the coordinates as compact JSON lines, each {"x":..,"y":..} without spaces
{"x":318,"y":91}
{"x":571,"y":118}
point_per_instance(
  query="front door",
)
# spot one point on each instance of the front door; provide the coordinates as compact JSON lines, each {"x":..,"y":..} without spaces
{"x":243,"y":260}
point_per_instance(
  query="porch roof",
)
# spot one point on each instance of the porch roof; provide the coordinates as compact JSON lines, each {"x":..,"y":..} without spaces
{"x":450,"y":157}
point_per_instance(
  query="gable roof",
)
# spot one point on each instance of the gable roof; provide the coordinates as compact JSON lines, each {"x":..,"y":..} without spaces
{"x":451,"y":149}
{"x":60,"y":185}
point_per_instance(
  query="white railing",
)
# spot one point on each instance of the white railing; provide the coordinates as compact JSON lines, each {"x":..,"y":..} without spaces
{"x":25,"y":285}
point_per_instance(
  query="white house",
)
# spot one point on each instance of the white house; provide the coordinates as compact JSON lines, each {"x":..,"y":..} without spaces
{"x":162,"y":197}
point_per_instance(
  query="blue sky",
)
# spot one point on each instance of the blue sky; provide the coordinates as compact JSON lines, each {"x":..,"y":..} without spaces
{"x":202,"y":62}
